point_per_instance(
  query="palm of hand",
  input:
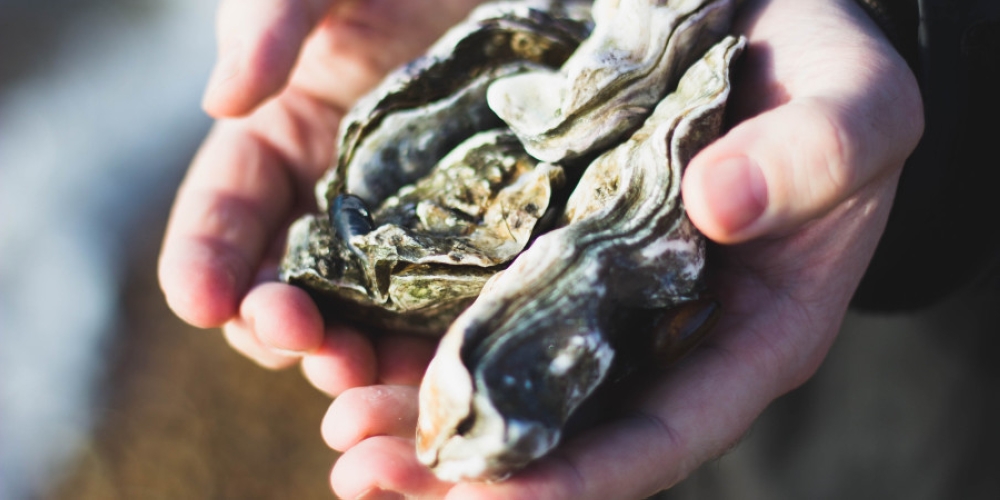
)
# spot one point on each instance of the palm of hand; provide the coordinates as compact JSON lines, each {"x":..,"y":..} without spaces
{"x":798,"y":193}
{"x":254,"y":173}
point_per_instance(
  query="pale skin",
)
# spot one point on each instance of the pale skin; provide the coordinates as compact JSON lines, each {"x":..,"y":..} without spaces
{"x":796,"y":194}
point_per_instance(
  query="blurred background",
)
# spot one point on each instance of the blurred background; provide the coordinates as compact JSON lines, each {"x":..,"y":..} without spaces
{"x":104,"y":394}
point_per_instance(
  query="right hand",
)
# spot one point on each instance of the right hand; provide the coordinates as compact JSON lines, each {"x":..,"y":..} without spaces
{"x":796,"y":195}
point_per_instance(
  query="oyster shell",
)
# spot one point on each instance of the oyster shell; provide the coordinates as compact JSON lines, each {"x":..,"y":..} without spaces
{"x":430,"y":195}
{"x":395,"y":134}
{"x":637,"y":51}
{"x":544,"y":334}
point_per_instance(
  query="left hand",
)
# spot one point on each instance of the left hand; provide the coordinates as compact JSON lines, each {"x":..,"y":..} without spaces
{"x":797,"y":195}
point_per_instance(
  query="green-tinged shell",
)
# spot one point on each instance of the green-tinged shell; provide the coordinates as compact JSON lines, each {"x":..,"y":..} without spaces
{"x":432,"y":246}
{"x":440,"y":195}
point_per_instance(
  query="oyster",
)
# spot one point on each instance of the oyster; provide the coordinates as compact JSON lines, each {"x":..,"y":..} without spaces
{"x":430,"y":194}
{"x":545,"y":333}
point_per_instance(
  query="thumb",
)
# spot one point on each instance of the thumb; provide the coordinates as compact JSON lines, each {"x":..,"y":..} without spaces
{"x":794,"y":163}
{"x":258,"y":44}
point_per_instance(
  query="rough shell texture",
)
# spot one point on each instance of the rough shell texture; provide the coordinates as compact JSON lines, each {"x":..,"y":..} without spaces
{"x":396,"y":133}
{"x":608,"y":87}
{"x":430,"y":195}
{"x":546,"y":332}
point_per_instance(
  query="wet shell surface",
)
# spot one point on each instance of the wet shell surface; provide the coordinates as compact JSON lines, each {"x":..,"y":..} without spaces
{"x":519,"y":190}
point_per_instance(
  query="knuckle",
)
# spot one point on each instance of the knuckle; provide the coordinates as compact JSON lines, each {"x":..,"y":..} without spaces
{"x":227,"y":218}
{"x":837,"y":150}
{"x":243,"y":341}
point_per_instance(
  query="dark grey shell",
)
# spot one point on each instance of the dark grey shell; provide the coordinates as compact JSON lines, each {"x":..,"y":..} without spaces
{"x":396,"y":133}
{"x":544,"y":334}
{"x":430,"y":194}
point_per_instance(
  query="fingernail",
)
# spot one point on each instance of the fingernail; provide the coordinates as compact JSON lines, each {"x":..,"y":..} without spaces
{"x":736,"y":192}
{"x":288,"y":352}
{"x":226,"y":68}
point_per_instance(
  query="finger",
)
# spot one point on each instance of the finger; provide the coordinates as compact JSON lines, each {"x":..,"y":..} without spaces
{"x":785,"y":167}
{"x":242,"y":339}
{"x":236,"y":199}
{"x":283,"y":318}
{"x":402,"y":359}
{"x":364,"y":412}
{"x":842,"y":118}
{"x":258,"y":44}
{"x":345,"y":360}
{"x":361,"y":40}
{"x":226,"y":213}
{"x":384,"y":464}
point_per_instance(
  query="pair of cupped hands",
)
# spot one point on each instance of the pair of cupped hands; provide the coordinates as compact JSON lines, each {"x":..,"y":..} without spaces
{"x":796,"y":194}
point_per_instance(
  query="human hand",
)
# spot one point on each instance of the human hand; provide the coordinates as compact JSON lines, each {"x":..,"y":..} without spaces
{"x":287,"y":72}
{"x":797,"y":194}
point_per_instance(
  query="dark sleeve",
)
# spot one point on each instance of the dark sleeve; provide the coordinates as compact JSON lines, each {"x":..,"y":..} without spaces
{"x":944,"y":228}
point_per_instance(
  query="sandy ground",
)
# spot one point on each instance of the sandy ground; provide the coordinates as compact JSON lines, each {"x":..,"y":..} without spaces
{"x":184,"y":416}
{"x":179,"y":415}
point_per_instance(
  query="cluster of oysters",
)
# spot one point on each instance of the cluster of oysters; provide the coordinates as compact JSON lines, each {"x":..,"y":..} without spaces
{"x":518,"y":188}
